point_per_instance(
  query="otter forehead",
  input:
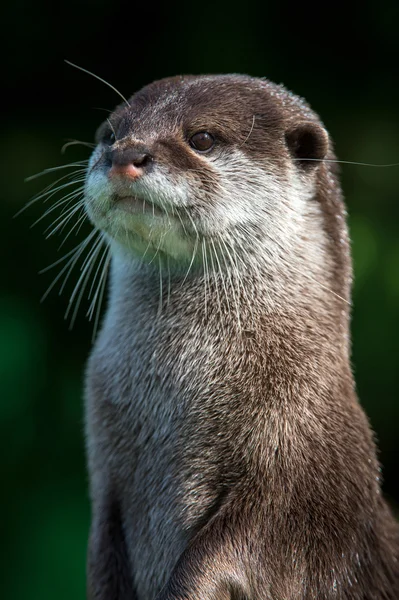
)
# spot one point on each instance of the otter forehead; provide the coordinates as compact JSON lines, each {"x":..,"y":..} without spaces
{"x":240,"y":110}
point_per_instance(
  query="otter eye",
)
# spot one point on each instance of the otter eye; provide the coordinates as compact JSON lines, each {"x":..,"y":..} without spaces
{"x":109,"y":138}
{"x":202,"y":141}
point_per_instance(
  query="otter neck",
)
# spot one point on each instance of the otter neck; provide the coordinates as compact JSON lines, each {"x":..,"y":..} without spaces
{"x":236,"y":303}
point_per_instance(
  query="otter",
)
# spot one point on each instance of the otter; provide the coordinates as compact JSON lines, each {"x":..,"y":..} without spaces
{"x":229,"y":457}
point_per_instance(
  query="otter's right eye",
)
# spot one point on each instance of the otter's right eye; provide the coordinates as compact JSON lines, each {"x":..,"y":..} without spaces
{"x":109,"y":138}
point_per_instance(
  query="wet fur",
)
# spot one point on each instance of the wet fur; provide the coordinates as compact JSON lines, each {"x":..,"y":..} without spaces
{"x":229,"y":457}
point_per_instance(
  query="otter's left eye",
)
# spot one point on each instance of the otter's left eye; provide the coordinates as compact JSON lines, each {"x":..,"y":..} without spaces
{"x":202,"y":141}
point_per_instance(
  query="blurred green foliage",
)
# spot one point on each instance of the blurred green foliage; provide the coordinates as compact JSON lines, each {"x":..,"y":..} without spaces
{"x":44,"y":498}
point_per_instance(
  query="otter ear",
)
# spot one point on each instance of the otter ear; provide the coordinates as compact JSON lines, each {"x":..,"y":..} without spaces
{"x":307,"y":143}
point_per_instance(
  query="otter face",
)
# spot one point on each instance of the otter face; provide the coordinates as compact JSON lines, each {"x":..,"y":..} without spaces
{"x":201,"y":162}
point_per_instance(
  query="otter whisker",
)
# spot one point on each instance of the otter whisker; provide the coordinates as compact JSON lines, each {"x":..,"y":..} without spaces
{"x":192,"y":259}
{"x":182,"y":223}
{"x":95,"y":284}
{"x":67,"y":200}
{"x":221,"y":277}
{"x":215,"y":279}
{"x":107,"y":110}
{"x":257,"y":246}
{"x":307,"y":275}
{"x":60,"y":260}
{"x":62,"y":224}
{"x":204,"y":262}
{"x":162,"y":237}
{"x":237,"y":257}
{"x":230,"y":274}
{"x":52,"y":192}
{"x":76,"y":226}
{"x":347,"y":162}
{"x":76,"y":253}
{"x":73,"y":264}
{"x":149,"y":240}
{"x":192,"y":221}
{"x":155,"y":201}
{"x":102,"y":289}
{"x":63,"y":219}
{"x":88,"y":257}
{"x":99,"y":78}
{"x":160,"y":286}
{"x":240,"y":287}
{"x":87,"y":277}
{"x":76,"y":143}
{"x":48,"y":191}
{"x":112,"y":127}
{"x":164,"y":207}
{"x":51,"y":187}
{"x":212,"y":177}
{"x":82,"y":220}
{"x":250,"y":131}
{"x":52,"y":169}
{"x":83,"y":279}
{"x":257,"y":249}
{"x":169,"y":281}
{"x":97,"y":272}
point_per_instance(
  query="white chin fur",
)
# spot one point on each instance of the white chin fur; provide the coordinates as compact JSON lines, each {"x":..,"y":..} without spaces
{"x":145,"y":234}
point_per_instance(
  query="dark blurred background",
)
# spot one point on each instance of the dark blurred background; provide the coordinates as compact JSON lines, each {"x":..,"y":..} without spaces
{"x":345,"y":62}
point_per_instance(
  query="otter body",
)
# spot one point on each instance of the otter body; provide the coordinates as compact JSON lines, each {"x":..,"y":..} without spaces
{"x":229,"y":457}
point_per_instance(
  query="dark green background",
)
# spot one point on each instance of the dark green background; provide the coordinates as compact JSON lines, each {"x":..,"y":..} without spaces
{"x":344,"y":61}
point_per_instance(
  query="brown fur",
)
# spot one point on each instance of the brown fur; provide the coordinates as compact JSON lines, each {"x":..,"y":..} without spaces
{"x":229,"y":457}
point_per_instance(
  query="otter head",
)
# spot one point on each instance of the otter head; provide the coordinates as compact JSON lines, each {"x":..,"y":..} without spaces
{"x":225,"y":167}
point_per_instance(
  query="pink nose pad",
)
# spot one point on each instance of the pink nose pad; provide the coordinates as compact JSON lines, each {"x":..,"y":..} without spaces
{"x":130,"y":171}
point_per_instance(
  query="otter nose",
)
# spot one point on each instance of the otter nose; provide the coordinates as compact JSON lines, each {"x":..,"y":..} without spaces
{"x":129,"y":162}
